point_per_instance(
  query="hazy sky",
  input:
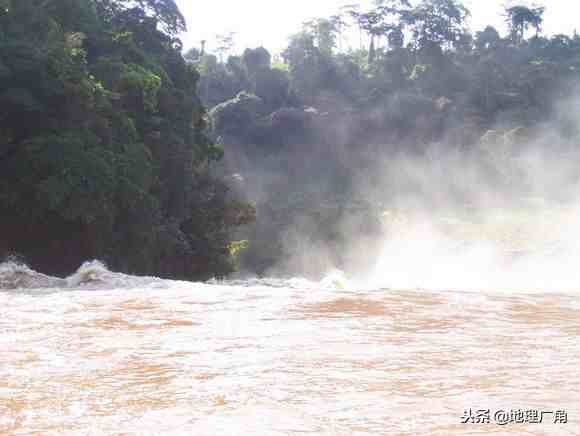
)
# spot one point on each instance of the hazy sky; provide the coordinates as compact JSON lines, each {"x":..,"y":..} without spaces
{"x":270,"y":22}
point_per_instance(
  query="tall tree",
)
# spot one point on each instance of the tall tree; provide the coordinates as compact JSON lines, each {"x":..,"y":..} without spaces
{"x":324,"y":32}
{"x":440,"y":22}
{"x":339,"y":24}
{"x":487,"y":38}
{"x":521,"y":18}
{"x":225,"y":43}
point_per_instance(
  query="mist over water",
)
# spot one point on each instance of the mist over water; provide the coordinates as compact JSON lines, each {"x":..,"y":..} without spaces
{"x":462,"y":230}
{"x":429,"y":259}
{"x":498,"y":214}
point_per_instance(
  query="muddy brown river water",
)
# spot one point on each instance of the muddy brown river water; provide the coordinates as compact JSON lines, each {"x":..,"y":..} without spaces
{"x":150,"y":357}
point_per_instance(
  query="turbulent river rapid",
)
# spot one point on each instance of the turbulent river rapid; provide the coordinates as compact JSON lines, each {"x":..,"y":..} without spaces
{"x":102,"y":353}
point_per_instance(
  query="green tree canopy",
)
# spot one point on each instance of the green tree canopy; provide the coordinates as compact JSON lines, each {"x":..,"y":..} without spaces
{"x":439,"y":22}
{"x":521,"y":18}
{"x":165,"y":12}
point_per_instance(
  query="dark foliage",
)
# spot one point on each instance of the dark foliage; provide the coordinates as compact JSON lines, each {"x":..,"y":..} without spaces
{"x":102,"y":145}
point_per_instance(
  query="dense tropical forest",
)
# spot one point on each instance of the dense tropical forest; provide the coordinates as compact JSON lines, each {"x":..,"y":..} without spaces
{"x":103,"y":151}
{"x":115,"y":145}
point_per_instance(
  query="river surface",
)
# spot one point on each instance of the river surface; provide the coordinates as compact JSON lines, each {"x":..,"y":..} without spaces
{"x":107,"y":354}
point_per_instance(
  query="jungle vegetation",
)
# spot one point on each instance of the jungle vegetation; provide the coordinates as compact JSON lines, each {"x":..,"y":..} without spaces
{"x":303,"y":132}
{"x":103,"y":151}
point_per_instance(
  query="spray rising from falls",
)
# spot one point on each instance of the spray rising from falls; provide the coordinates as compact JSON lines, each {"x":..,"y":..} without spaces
{"x":500,"y":216}
{"x":530,"y":251}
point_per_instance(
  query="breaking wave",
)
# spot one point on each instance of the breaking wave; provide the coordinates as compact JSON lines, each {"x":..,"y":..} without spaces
{"x":91,"y":275}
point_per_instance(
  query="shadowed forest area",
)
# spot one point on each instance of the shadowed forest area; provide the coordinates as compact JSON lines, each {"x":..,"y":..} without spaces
{"x":115,"y":146}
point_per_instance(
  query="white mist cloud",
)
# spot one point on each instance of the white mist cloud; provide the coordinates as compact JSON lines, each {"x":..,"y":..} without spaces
{"x":461,"y":230}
